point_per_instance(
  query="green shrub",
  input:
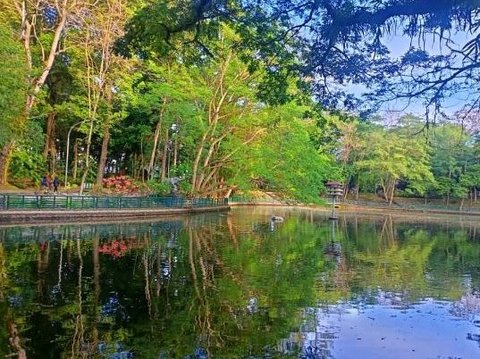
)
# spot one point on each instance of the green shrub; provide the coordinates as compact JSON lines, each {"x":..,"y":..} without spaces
{"x":26,"y":167}
{"x":159,"y":188}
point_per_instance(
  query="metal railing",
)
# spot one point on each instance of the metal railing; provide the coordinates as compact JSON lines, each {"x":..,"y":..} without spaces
{"x":39,"y":202}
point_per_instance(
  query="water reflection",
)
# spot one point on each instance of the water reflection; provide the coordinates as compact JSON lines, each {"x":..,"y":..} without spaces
{"x":230,"y":286}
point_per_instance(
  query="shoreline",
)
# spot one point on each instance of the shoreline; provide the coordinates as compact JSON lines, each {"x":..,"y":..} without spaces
{"x":411,"y":210}
{"x":351,"y":208}
{"x":10,"y":217}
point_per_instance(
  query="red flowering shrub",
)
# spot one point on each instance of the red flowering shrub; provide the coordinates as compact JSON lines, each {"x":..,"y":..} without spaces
{"x":120,"y":184}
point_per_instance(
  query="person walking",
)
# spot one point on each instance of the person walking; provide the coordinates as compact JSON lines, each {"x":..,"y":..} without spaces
{"x":56,"y":183}
{"x":44,"y":184}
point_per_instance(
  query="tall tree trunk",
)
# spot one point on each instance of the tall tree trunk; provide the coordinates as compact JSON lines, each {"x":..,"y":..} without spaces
{"x":156,"y":136}
{"x":196,"y":162}
{"x":87,"y":157}
{"x":50,"y":133}
{"x":384,"y":189}
{"x":164,"y":157}
{"x":53,"y":160}
{"x":142,"y":162}
{"x":175,"y":146}
{"x":175,"y":151}
{"x":75,"y":161}
{"x":392,"y":192}
{"x":103,"y":157}
{"x":346,"y":187}
{"x":5,"y":161}
{"x":213,"y":118}
{"x":391,"y":196}
{"x":49,"y":150}
{"x":449,"y":181}
{"x":357,"y":188}
{"x":214,"y":144}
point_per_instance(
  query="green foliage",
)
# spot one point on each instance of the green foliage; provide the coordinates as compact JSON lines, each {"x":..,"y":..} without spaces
{"x":13,"y":84}
{"x":286,"y":161}
{"x":228,"y":102}
{"x":453,"y":162}
{"x":27,"y":165}
{"x":159,"y":188}
{"x":374,"y":156}
{"x":389,"y":157}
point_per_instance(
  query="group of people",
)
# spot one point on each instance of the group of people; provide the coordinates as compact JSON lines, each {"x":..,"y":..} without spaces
{"x":48,"y":184}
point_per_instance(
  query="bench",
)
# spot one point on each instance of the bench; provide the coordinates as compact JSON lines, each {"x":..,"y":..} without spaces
{"x":87,"y":187}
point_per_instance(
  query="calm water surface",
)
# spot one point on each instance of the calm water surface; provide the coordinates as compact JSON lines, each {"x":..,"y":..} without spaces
{"x":237,"y":286}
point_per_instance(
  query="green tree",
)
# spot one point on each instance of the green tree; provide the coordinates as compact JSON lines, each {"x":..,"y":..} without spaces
{"x":41,"y":27}
{"x":285,"y":160}
{"x":13,"y":89}
{"x":450,"y":146}
{"x":337,"y":42}
{"x":391,"y":155}
{"x":164,"y":113}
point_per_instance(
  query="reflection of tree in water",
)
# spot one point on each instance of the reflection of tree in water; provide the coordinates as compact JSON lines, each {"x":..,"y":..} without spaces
{"x":203,"y":263}
{"x":78,"y":346}
{"x":336,"y":280}
{"x":316,"y":337}
{"x":319,"y":340}
{"x":397,"y":300}
{"x":249,"y":283}
{"x":468,"y":307}
{"x":207,"y":286}
{"x":390,"y":264}
{"x":41,"y":234}
{"x":93,"y":319}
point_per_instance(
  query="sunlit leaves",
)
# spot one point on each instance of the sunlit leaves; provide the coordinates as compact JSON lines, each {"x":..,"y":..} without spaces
{"x":13,"y":84}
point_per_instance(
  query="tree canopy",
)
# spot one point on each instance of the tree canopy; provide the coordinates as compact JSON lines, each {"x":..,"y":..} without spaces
{"x":336,"y":43}
{"x":233,"y":97}
{"x":14,"y":81}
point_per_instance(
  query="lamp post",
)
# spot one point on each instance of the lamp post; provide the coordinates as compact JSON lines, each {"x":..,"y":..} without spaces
{"x":334,"y":190}
{"x":68,"y":149}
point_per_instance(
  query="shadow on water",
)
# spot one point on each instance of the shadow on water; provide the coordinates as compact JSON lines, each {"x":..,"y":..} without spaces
{"x":240,"y":285}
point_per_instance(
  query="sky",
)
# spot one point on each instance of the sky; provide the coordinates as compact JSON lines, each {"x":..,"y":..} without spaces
{"x":398,"y":45}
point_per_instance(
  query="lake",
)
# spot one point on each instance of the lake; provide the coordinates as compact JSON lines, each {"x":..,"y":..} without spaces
{"x":237,"y":285}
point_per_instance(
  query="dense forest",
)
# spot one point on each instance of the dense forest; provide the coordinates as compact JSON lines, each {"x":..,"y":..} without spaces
{"x":235,"y":97}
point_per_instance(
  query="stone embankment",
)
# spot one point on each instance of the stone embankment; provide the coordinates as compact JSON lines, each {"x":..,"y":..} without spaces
{"x":21,"y":208}
{"x":35,"y":216}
